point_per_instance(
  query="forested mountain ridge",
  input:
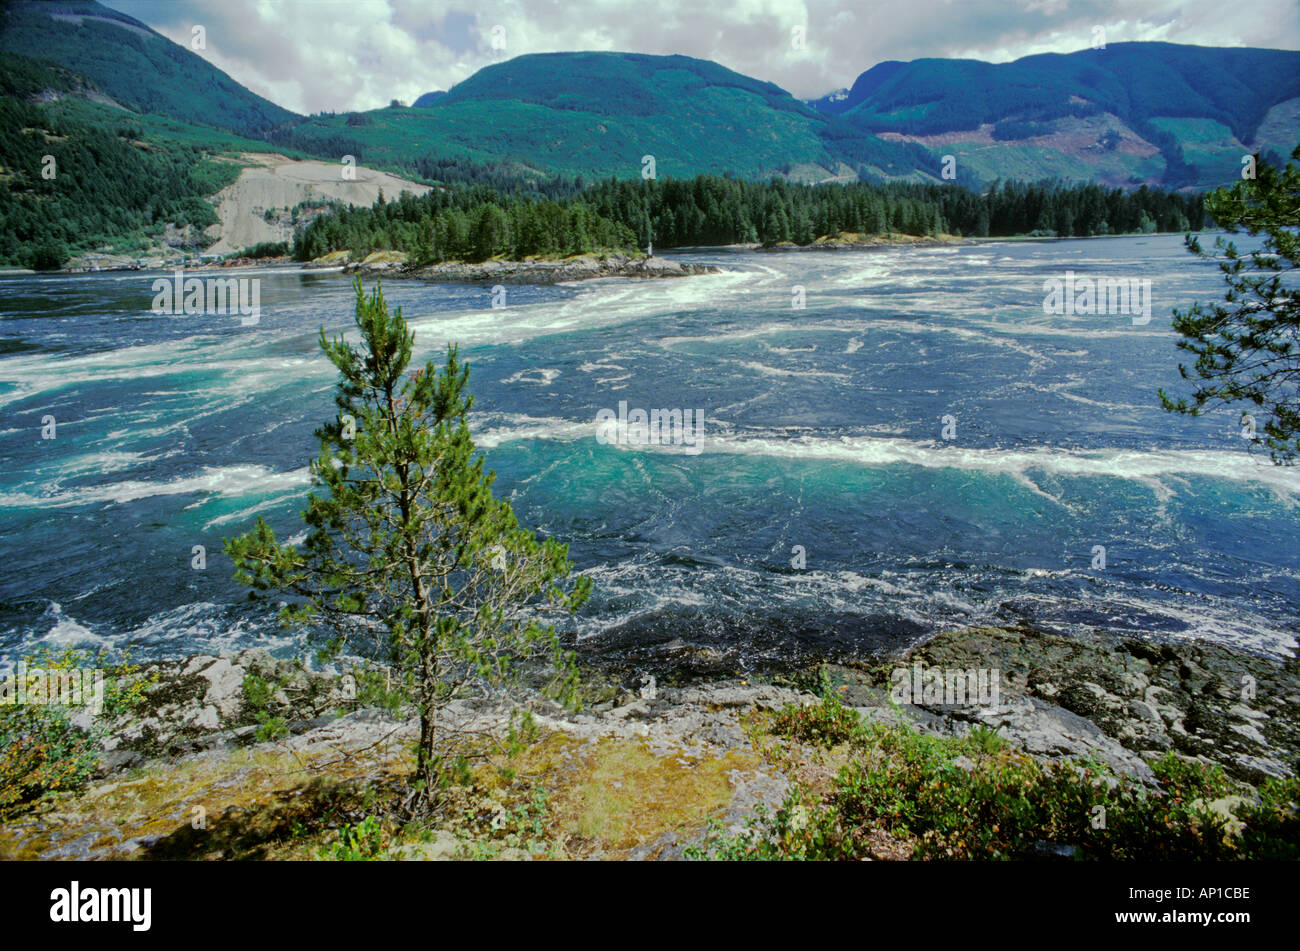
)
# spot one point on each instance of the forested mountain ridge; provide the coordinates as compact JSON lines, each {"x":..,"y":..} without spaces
{"x":601,"y":113}
{"x":135,"y":66}
{"x":81,"y":174}
{"x":1129,"y":113}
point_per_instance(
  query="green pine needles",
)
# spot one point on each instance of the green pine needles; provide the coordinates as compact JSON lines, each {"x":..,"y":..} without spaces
{"x":1247,"y":352}
{"x":408,"y":548}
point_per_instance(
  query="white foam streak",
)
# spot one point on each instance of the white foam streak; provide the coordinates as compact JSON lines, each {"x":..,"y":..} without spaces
{"x":1147,"y":467}
{"x":226,"y":481}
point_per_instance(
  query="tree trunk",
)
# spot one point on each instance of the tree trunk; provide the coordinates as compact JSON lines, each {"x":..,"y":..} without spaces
{"x":426,"y":771}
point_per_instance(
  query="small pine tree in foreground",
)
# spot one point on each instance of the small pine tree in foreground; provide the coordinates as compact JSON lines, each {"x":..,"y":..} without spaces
{"x":408,"y":547}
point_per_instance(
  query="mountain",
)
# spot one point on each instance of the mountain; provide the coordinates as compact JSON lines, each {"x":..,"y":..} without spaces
{"x":1127,"y":114}
{"x":599,"y":114}
{"x":134,"y":66}
{"x":1131,"y":114}
{"x":154,"y":131}
{"x":843,"y":100}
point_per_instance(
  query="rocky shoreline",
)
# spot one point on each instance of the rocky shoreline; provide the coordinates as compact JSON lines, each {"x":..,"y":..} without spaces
{"x":1126,"y":701}
{"x":584,"y":267}
{"x":537,"y":270}
{"x":857,"y":242}
{"x":247,"y":736}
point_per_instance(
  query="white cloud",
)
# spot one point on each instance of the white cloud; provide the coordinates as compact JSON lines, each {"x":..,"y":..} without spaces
{"x":309,"y":55}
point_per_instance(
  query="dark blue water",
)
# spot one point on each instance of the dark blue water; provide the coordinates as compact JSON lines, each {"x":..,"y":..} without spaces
{"x":823,"y":429}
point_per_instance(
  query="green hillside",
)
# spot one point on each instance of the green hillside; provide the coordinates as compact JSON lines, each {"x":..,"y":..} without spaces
{"x":641,"y":84}
{"x":120,"y":181}
{"x":1180,"y":100}
{"x":598,"y":114}
{"x":134,"y":66}
{"x":1135,"y":81}
{"x":1131,"y":114}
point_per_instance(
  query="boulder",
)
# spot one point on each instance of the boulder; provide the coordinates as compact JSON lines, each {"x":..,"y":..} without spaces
{"x":225,"y":687}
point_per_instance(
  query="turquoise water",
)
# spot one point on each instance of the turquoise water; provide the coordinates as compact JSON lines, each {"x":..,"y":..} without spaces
{"x":824,"y":429}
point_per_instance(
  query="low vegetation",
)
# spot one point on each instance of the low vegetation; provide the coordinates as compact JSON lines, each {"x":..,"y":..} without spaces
{"x":895,"y":791}
{"x":44,"y":748}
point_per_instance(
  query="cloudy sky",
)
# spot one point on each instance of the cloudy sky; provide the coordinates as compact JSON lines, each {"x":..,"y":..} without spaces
{"x":313,"y":55}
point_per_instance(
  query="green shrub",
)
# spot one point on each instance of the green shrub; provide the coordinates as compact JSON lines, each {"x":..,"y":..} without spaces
{"x":41,"y":752}
{"x":271,"y":728}
{"x":983,"y":740}
{"x":1271,"y":827}
{"x":974,"y":798}
{"x":1186,"y":780}
{"x":266,"y":249}
{"x":257,"y":693}
{"x":49,"y":255}
{"x":522,"y":826}
{"x":364,"y":842}
{"x":826,"y":723}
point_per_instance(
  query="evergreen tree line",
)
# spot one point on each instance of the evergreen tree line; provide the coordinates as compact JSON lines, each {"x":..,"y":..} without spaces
{"x":481,"y":221}
{"x":709,"y":210}
{"x":471,"y":224}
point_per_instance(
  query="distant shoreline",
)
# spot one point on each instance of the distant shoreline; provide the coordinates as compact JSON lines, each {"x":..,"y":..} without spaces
{"x":583,"y":267}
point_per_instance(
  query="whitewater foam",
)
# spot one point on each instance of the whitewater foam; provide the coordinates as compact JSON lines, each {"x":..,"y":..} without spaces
{"x":1146,"y":467}
{"x":211,"y":481}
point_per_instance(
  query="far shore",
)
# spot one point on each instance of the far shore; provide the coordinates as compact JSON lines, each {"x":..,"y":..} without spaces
{"x":597,"y":264}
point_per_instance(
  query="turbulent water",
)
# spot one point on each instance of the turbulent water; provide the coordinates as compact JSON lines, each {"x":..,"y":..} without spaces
{"x":823,"y":443}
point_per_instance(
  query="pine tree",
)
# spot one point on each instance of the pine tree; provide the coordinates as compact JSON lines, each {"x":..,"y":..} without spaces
{"x":1248,"y":352}
{"x":489,"y":234}
{"x":776,"y":223}
{"x":408,"y":546}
